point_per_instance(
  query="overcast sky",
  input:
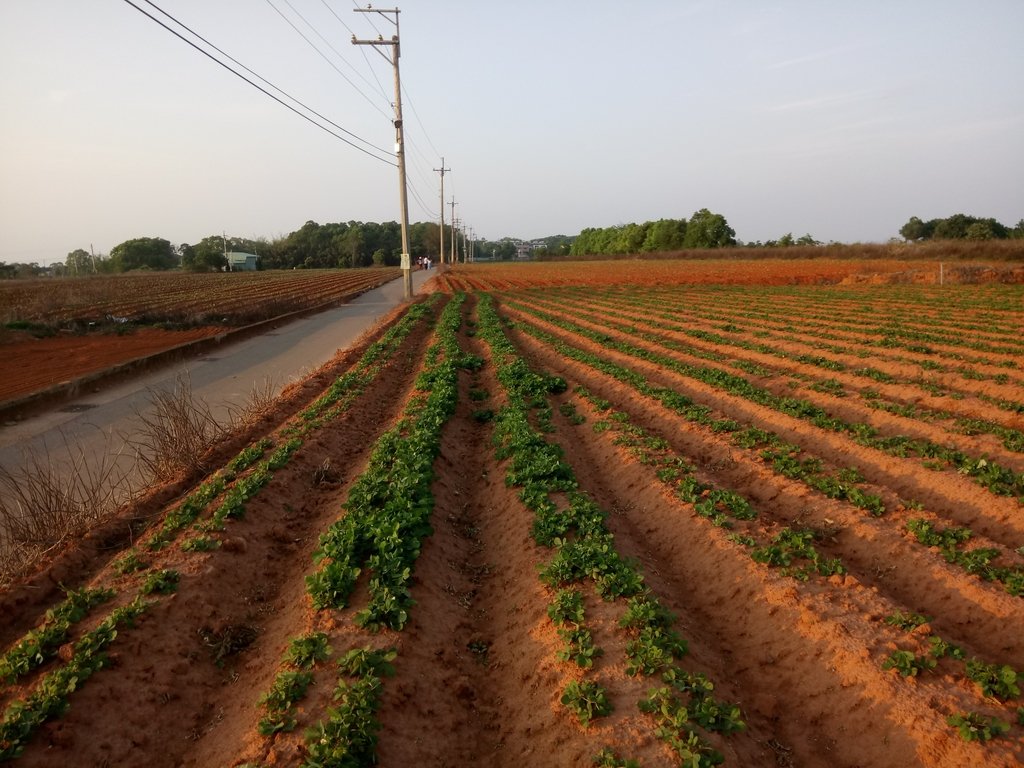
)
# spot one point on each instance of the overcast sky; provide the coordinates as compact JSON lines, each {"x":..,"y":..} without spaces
{"x":831,"y":117}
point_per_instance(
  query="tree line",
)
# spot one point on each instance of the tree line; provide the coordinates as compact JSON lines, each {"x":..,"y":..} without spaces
{"x":960,"y":226}
{"x":703,"y":230}
{"x":364,"y":244}
{"x":312,"y":246}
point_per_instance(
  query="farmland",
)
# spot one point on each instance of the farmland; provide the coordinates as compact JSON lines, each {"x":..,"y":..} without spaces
{"x":185,"y":298}
{"x":682,"y":514}
{"x":54,"y":330}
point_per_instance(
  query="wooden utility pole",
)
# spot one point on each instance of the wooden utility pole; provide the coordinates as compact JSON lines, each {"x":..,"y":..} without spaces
{"x":399,"y":134}
{"x":442,"y":170}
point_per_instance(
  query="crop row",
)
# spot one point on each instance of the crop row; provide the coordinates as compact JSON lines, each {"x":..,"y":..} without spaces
{"x":787,"y":460}
{"x":585,"y":552}
{"x":387,"y":515}
{"x":794,"y":553}
{"x":388,"y":509}
{"x":232,"y":486}
{"x":997,"y":479}
{"x":896,"y":399}
{"x":817,"y":310}
{"x":788,"y":548}
{"x":732,"y":315}
{"x":175,"y":296}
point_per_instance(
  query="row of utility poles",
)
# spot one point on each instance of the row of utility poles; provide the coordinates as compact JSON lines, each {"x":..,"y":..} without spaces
{"x":467,"y":249}
{"x":467,"y":244}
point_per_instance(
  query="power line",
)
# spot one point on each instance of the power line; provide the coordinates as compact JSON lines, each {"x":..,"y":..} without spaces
{"x":419,"y":201}
{"x":312,"y":45}
{"x":416,"y":114}
{"x":442,"y":170}
{"x":368,"y":18}
{"x":420,"y":170}
{"x":257,"y":86}
{"x":393,"y":43}
{"x":366,"y":58}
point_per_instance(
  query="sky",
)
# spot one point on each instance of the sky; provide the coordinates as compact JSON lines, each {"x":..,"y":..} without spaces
{"x":832,"y":118}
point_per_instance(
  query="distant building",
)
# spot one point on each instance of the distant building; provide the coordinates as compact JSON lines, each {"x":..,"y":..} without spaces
{"x":242,"y":262}
{"x":525,"y":250}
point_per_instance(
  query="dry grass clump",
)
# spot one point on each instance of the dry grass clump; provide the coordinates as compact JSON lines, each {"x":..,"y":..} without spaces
{"x":52,"y":498}
{"x":179,"y":430}
{"x":175,"y":433}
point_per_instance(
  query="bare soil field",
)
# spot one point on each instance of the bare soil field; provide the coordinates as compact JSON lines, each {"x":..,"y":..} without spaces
{"x":224,"y":298}
{"x":30,"y":365}
{"x":57,"y":330}
{"x":553,"y":517}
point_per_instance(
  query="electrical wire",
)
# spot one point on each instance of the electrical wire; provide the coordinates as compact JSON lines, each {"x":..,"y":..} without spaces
{"x":366,"y":58}
{"x":369,"y":18}
{"x":324,"y":56}
{"x":416,"y":114}
{"x":422,"y":205}
{"x":420,"y":170}
{"x":258,"y":87}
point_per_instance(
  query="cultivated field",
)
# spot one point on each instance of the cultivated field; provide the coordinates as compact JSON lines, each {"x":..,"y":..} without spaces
{"x":60,"y":329}
{"x":636,"y":513}
{"x":180,"y":297}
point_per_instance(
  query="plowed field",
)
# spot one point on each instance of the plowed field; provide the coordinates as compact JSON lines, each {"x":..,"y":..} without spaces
{"x":681,"y":524}
{"x":107,"y":321}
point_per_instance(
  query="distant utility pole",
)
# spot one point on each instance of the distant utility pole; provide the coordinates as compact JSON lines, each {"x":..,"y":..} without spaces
{"x":399,"y":134}
{"x":453,"y":231}
{"x":442,"y":170}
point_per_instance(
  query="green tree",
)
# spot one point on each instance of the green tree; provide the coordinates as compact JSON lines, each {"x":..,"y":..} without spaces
{"x":953,"y":228}
{"x":980,"y":230}
{"x":425,"y":240}
{"x":79,"y":262}
{"x":187,"y":256}
{"x":708,"y":230}
{"x":208,"y":254}
{"x":143,"y":253}
{"x":351,"y":247}
{"x":665,"y":235}
{"x":915,"y":230}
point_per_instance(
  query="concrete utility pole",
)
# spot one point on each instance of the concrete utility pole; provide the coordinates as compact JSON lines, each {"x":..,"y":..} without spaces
{"x":442,"y":170}
{"x":453,"y":231}
{"x":399,"y":134}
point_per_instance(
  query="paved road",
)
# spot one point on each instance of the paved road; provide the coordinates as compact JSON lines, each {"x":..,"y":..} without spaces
{"x":94,"y":425}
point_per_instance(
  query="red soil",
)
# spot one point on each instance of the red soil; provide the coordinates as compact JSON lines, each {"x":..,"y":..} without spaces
{"x":478,"y":680}
{"x":29,"y":365}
